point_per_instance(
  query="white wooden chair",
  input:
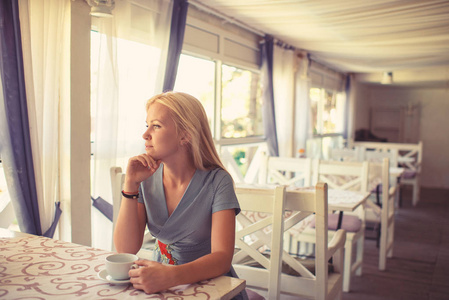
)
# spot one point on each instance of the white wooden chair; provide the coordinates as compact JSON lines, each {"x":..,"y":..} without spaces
{"x":7,"y":214}
{"x":346,"y":154}
{"x":345,"y":176}
{"x":383,"y":213}
{"x":117,"y":180}
{"x":286,"y":171}
{"x":379,"y":154}
{"x":289,"y":171}
{"x":253,"y":237}
{"x":409,"y":157}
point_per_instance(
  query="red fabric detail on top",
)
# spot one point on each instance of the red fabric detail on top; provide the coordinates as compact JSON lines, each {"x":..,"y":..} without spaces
{"x":163,"y":249}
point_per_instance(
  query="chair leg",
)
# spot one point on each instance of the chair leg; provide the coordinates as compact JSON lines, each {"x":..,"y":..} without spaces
{"x":347,"y":266}
{"x":378,"y":236}
{"x":359,"y":255}
{"x":390,"y":239}
{"x":415,"y":193}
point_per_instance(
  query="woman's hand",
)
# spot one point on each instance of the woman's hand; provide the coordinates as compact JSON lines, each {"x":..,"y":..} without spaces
{"x":139,"y":168}
{"x":151,"y":276}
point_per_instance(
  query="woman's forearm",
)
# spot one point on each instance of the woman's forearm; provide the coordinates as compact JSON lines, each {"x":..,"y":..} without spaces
{"x":206,"y":267}
{"x":130,"y":226}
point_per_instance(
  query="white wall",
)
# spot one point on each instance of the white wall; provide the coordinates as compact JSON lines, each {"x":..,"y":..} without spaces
{"x":434,"y":123}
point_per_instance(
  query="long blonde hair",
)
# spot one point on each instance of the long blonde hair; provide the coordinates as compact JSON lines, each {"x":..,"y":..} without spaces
{"x":190,"y":117}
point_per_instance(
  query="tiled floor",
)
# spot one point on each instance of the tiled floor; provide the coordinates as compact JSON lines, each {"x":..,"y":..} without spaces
{"x":419,"y":269}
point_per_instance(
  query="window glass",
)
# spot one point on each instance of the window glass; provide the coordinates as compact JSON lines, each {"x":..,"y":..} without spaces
{"x":315,"y":96}
{"x":241,"y":109}
{"x":242,"y":155}
{"x":241,"y":104}
{"x":196,"y":77}
{"x":327,"y":110}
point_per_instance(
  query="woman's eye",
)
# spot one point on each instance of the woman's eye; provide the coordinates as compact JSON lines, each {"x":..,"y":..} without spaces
{"x":156,"y":126}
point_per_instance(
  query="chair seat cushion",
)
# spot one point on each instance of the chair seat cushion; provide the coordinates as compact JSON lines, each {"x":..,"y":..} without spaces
{"x":253,"y":295}
{"x":409,"y":174}
{"x":348,"y":223}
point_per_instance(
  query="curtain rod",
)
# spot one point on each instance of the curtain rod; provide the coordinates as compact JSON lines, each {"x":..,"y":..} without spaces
{"x":232,"y":20}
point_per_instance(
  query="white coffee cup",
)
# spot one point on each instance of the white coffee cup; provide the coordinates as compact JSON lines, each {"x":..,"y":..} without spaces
{"x":118,"y":265}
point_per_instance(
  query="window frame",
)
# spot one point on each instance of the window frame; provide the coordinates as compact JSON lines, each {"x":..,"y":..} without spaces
{"x":192,"y":46}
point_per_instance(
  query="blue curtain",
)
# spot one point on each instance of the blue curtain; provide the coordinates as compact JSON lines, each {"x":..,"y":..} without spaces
{"x":268,"y":115}
{"x":177,"y":28}
{"x":16,"y":147}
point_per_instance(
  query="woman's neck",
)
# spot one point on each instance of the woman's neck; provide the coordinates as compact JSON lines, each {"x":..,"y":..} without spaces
{"x":179,"y":172}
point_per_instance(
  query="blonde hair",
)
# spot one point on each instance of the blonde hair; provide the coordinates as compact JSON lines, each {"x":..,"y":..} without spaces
{"x":190,"y":117}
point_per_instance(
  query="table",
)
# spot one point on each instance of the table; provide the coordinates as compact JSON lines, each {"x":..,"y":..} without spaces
{"x":341,"y":200}
{"x":35,"y":267}
{"x":338,"y":200}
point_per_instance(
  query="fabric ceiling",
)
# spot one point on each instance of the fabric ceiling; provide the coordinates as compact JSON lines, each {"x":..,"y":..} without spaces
{"x":352,"y":35}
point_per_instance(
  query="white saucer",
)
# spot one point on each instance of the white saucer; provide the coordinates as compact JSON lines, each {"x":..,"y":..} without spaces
{"x":103,"y":275}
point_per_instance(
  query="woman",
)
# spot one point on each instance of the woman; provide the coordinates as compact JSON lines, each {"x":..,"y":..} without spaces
{"x":180,"y":189}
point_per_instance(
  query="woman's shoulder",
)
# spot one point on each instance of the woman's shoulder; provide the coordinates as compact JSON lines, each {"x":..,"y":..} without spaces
{"x":216,"y":176}
{"x":216,"y":173}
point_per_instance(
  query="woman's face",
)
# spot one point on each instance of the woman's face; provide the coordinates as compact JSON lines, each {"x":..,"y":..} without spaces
{"x":161,"y":138}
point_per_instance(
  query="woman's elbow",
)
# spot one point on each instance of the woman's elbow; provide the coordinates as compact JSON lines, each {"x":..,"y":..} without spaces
{"x":226,"y":263}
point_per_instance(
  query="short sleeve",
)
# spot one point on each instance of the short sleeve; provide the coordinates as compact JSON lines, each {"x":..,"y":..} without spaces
{"x":224,"y":193}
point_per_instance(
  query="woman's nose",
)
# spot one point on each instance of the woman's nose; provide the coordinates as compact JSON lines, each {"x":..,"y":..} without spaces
{"x":146,"y":135}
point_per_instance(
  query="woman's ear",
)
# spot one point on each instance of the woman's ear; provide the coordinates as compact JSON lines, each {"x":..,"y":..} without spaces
{"x":185,"y":139}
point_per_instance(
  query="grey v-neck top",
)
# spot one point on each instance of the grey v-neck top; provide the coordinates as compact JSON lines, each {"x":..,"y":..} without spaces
{"x":187,"y":231}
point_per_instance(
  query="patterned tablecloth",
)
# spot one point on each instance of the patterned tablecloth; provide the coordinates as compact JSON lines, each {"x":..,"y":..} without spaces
{"x":34,"y":267}
{"x":339,"y":199}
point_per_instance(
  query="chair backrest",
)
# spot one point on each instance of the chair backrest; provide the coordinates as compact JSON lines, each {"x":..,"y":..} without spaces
{"x":117,"y":180}
{"x":376,"y":155}
{"x":342,"y":175}
{"x":274,"y":201}
{"x":287,"y":171}
{"x":345,"y":154}
{"x":409,"y":155}
{"x":7,"y":214}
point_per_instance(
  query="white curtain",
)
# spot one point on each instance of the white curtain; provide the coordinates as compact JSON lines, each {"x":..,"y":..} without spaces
{"x":284,"y":62}
{"x":128,"y":64}
{"x":303,"y":124}
{"x":351,"y":109}
{"x":43,"y":27}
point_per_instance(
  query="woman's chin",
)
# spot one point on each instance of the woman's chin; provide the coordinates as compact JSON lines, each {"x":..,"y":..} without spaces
{"x":153,"y":156}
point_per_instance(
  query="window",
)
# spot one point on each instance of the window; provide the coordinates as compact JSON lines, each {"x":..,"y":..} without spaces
{"x":235,"y":113}
{"x":240,"y":114}
{"x":201,"y":85}
{"x":220,"y":67}
{"x":327,"y":111}
{"x":241,"y":106}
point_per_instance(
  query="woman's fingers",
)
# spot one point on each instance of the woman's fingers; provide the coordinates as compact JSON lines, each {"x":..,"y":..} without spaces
{"x":147,"y":161}
{"x":149,"y":277}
